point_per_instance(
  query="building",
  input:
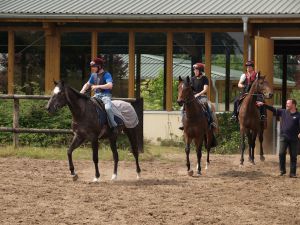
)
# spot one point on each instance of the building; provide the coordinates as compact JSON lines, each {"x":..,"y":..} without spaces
{"x":41,"y":41}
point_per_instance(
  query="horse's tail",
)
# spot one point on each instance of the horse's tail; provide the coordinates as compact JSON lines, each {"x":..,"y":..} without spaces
{"x":135,"y":140}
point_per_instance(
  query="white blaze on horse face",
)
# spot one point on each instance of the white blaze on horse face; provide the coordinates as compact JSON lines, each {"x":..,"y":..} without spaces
{"x":56,"y":90}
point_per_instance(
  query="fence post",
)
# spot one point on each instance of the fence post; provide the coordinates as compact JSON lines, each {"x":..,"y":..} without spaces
{"x":16,"y":122}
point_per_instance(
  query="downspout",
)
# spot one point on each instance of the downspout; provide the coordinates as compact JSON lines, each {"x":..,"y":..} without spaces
{"x":246,"y":34}
{"x":216,"y":93}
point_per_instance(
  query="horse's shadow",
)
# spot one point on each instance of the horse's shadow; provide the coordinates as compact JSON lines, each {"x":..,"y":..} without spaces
{"x":251,"y":175}
{"x":148,"y":182}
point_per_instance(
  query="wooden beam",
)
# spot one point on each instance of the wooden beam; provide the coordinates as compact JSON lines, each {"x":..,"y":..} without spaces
{"x":52,"y":58}
{"x":11,"y":62}
{"x":131,"y":75}
{"x":169,"y":72}
{"x":208,"y":60}
{"x":94,"y":44}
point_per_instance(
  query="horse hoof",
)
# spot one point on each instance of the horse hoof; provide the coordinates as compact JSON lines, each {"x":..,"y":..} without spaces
{"x":96,"y":180}
{"x":252,"y":162}
{"x":206,"y":167}
{"x":138,"y":176}
{"x":114,"y":177}
{"x":199,"y":173}
{"x":74,"y":177}
{"x":262,"y":158}
{"x":190,"y":173}
{"x":241,"y":165}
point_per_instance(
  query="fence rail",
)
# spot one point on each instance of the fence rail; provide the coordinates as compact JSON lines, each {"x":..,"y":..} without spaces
{"x":15,"y":129}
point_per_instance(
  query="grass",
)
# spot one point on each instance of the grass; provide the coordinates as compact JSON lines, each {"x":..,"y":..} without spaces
{"x":151,"y":152}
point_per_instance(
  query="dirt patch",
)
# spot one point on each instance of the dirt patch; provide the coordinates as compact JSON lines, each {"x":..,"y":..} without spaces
{"x":42,"y":192}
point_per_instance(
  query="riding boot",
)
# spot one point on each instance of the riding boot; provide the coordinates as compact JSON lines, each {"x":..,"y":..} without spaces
{"x":235,"y":108}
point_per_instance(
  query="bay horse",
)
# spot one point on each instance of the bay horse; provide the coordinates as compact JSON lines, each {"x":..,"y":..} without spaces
{"x":86,"y":125}
{"x":195,"y":124}
{"x":249,"y":117}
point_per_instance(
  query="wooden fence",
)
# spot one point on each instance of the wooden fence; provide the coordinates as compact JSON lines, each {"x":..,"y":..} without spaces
{"x":15,"y":129}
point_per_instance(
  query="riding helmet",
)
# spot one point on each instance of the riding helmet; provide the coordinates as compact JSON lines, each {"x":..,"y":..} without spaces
{"x":199,"y":66}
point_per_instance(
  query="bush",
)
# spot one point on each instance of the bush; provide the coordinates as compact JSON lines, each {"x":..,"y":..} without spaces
{"x":228,"y":137}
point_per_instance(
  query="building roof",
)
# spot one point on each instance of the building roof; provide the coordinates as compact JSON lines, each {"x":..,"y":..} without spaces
{"x":155,"y":9}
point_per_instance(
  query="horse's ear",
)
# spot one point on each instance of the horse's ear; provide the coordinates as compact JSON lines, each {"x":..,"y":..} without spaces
{"x":258,"y":75}
{"x":55,"y":82}
{"x":180,"y":79}
{"x":188,"y":79}
{"x":62,"y":83}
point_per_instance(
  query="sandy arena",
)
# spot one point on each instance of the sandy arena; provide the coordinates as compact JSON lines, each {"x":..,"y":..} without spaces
{"x":42,"y":192}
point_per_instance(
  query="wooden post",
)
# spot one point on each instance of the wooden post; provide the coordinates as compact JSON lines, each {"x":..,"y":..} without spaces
{"x":52,"y":55}
{"x":169,"y":73}
{"x":16,"y":122}
{"x":11,"y":62}
{"x":131,"y":75}
{"x":94,"y":44}
{"x":208,"y":60}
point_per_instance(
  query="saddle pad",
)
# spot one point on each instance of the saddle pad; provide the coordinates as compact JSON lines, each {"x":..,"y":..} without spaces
{"x":126,"y":112}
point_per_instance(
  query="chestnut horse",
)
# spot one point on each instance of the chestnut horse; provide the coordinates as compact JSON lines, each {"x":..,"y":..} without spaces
{"x":195,"y":124}
{"x":249,"y":117}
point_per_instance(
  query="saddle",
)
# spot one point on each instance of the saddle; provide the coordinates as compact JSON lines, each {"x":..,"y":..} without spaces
{"x":100,"y":105}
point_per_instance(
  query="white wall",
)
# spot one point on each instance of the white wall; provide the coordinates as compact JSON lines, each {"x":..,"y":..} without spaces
{"x":161,"y":124}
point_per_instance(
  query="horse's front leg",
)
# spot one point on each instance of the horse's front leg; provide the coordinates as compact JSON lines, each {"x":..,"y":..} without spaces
{"x":261,"y":139}
{"x":187,"y":152}
{"x":209,"y":142}
{"x":254,"y":134}
{"x":77,"y":140}
{"x":198,"y":144}
{"x":242,"y":148}
{"x":113,"y":147}
{"x":95,"y":147}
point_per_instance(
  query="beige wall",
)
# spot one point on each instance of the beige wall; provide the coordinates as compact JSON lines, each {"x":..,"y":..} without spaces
{"x":161,"y":124}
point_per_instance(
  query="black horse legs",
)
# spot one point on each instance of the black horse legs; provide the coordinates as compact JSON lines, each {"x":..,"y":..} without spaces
{"x":261,"y":139}
{"x":96,"y":158}
{"x":132,"y":136}
{"x":199,"y":156}
{"x":242,"y":148}
{"x":113,"y":147}
{"x":77,"y":140}
{"x":187,"y":152}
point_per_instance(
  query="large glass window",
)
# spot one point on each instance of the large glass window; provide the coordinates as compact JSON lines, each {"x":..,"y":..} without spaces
{"x":114,"y":48}
{"x":227,"y":65}
{"x":150,"y":49}
{"x":29,"y":68}
{"x":188,"y":49}
{"x":75,"y":58}
{"x":3,"y":62}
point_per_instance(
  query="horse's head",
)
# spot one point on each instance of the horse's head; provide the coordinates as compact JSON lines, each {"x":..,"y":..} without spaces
{"x":185,"y":90}
{"x":58,"y":98}
{"x":263,"y":86}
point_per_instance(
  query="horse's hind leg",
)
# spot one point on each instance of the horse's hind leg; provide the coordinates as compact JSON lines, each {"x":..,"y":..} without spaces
{"x":132,"y":136}
{"x":95,"y":147}
{"x":113,"y":147}
{"x":242,"y":149}
{"x":261,"y":139}
{"x":77,"y":140}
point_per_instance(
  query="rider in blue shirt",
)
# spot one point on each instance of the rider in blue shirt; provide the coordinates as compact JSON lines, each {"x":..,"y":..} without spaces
{"x":101,"y":83}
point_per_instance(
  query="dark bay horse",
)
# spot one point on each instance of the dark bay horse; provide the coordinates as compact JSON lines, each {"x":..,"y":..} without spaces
{"x":249,"y":117}
{"x":86,"y":126}
{"x":195,"y":124}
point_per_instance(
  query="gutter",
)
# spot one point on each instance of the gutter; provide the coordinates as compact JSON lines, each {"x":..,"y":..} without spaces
{"x":140,"y":16}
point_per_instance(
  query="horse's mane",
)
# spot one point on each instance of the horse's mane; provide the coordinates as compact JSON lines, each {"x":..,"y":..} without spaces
{"x":77,"y":92}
